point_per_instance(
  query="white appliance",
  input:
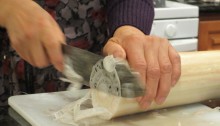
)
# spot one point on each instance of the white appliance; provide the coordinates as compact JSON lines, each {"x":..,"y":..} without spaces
{"x":177,"y":22}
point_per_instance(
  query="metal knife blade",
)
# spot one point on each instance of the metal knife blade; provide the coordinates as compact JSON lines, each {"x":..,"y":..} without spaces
{"x":83,"y":62}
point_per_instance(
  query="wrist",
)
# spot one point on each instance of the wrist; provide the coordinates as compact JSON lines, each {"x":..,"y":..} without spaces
{"x":127,"y":30}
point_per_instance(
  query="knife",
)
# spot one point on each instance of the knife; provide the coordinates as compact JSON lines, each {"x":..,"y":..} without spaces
{"x":121,"y":82}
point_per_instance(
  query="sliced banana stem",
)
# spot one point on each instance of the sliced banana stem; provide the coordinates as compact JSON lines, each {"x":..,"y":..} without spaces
{"x":200,"y":80}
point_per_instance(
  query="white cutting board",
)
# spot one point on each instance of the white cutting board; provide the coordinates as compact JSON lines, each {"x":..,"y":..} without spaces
{"x":37,"y":109}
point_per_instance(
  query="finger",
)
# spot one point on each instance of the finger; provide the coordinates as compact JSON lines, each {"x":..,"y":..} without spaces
{"x":19,"y":47}
{"x":113,"y":48}
{"x":135,"y":55}
{"x":165,"y":72}
{"x":176,"y":64}
{"x":51,"y":41}
{"x":38,"y":54}
{"x":153,"y":71}
{"x":21,"y":41}
{"x":23,"y":53}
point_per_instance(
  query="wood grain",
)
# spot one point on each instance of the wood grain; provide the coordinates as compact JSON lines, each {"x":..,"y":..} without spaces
{"x":209,"y":35}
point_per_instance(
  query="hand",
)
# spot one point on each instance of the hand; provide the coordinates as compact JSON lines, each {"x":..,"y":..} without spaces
{"x":33,"y":33}
{"x":154,"y":58}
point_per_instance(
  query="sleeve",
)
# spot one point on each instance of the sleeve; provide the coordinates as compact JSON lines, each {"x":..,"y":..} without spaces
{"x":137,"y":13}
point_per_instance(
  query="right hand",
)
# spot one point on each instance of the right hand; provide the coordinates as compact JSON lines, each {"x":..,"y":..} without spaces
{"x":33,"y":33}
{"x":153,"y":57}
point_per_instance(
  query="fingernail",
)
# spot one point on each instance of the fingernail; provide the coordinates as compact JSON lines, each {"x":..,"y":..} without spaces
{"x":161,"y":100}
{"x":173,"y":83}
{"x":119,"y":54}
{"x":139,"y":99}
{"x":145,"y":105}
{"x":59,"y":66}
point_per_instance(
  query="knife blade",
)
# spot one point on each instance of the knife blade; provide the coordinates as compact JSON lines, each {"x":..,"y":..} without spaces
{"x":82,"y":61}
{"x":90,"y":66}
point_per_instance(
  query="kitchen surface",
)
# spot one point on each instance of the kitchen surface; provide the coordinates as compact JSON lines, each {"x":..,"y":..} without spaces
{"x":9,"y":117}
{"x":204,"y":5}
{"x":190,"y":25}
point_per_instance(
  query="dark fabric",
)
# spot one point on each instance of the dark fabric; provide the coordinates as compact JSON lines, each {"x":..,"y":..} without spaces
{"x":137,"y":13}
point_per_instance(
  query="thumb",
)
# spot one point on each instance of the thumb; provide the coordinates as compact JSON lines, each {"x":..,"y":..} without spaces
{"x":112,"y":47}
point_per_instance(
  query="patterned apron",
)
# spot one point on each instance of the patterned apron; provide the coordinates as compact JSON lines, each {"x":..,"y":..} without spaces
{"x":84,"y":25}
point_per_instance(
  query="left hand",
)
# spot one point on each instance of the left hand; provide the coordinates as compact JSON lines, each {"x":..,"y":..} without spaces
{"x":33,"y":33}
{"x":154,"y":58}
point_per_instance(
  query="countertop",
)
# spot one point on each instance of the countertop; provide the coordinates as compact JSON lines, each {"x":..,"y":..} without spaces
{"x":9,"y":117}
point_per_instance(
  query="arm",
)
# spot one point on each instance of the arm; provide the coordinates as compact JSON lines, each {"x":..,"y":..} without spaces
{"x":136,"y":13}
